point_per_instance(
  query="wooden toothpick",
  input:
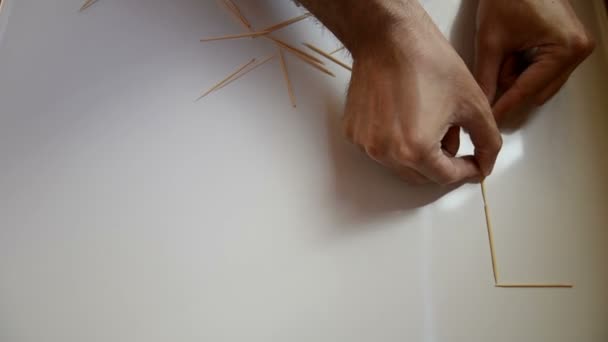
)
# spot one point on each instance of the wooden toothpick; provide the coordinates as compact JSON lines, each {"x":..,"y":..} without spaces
{"x":311,"y":60}
{"x":493,"y":254}
{"x":287,"y":22}
{"x":245,"y":72}
{"x":234,"y":9}
{"x":311,"y":63}
{"x":337,"y":50}
{"x":87,"y":4}
{"x":295,"y":50}
{"x":292,"y":97}
{"x":490,"y":232}
{"x":227,"y":79}
{"x":328,"y":56}
{"x":236,"y":36}
{"x":559,"y":286}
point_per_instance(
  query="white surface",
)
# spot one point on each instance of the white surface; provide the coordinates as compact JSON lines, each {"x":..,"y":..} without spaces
{"x":130,"y":213}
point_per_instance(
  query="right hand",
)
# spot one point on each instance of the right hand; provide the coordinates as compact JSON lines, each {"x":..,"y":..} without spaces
{"x":409,"y":96}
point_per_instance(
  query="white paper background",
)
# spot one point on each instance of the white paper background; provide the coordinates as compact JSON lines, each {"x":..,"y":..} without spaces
{"x":128,"y":212}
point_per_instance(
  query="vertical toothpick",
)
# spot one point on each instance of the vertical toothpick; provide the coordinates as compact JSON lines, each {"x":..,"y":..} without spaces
{"x":292,"y":97}
{"x":490,"y":232}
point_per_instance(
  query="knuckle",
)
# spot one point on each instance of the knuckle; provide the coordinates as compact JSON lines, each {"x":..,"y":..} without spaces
{"x":411,"y":150}
{"x":492,"y":147}
{"x":497,"y":146}
{"x":348,"y":128}
{"x":445,"y":177}
{"x":376,"y":145}
{"x":580,"y":44}
{"x":446,"y":180}
{"x":349,"y":131}
{"x":375,"y":151}
{"x":488,"y":40}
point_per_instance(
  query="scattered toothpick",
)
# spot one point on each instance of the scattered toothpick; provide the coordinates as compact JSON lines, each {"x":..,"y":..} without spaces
{"x":87,"y":4}
{"x":237,"y":14}
{"x":292,"y":97}
{"x":308,"y":61}
{"x":246,"y":71}
{"x":328,"y":56}
{"x":295,"y":50}
{"x":236,"y":36}
{"x":242,"y":71}
{"x":227,"y":79}
{"x":337,"y":50}
{"x":286,"y":23}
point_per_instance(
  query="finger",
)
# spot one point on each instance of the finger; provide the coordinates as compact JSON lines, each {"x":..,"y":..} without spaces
{"x":411,"y":176}
{"x":481,"y":126}
{"x":404,"y":172}
{"x":530,"y":83}
{"x":508,"y":73}
{"x":443,"y":169}
{"x":488,"y":59}
{"x":553,"y":88}
{"x":451,"y":141}
{"x":574,"y":58}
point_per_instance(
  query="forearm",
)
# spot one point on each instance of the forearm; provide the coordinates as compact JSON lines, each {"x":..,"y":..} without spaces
{"x":361,"y":24}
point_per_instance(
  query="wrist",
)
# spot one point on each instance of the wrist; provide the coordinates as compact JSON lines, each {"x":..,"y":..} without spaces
{"x":402,"y":36}
{"x":369,"y":26}
{"x":381,"y":26}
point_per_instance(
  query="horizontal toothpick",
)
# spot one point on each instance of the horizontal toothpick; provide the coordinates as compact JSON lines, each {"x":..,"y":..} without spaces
{"x":236,"y":36}
{"x":328,"y":56}
{"x":246,"y":71}
{"x":87,"y":4}
{"x":227,"y":79}
{"x":287,"y":22}
{"x":558,"y":286}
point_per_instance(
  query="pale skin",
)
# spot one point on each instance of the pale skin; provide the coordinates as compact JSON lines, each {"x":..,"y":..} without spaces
{"x":411,"y":93}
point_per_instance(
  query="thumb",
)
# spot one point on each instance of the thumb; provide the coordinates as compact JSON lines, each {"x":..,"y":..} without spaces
{"x":488,"y":60}
{"x":484,"y":135}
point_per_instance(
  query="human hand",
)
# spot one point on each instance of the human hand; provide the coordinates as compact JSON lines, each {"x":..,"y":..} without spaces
{"x":409,"y":96}
{"x":527,"y":49}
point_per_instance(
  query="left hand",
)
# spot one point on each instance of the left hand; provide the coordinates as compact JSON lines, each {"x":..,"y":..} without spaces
{"x":545,"y":33}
